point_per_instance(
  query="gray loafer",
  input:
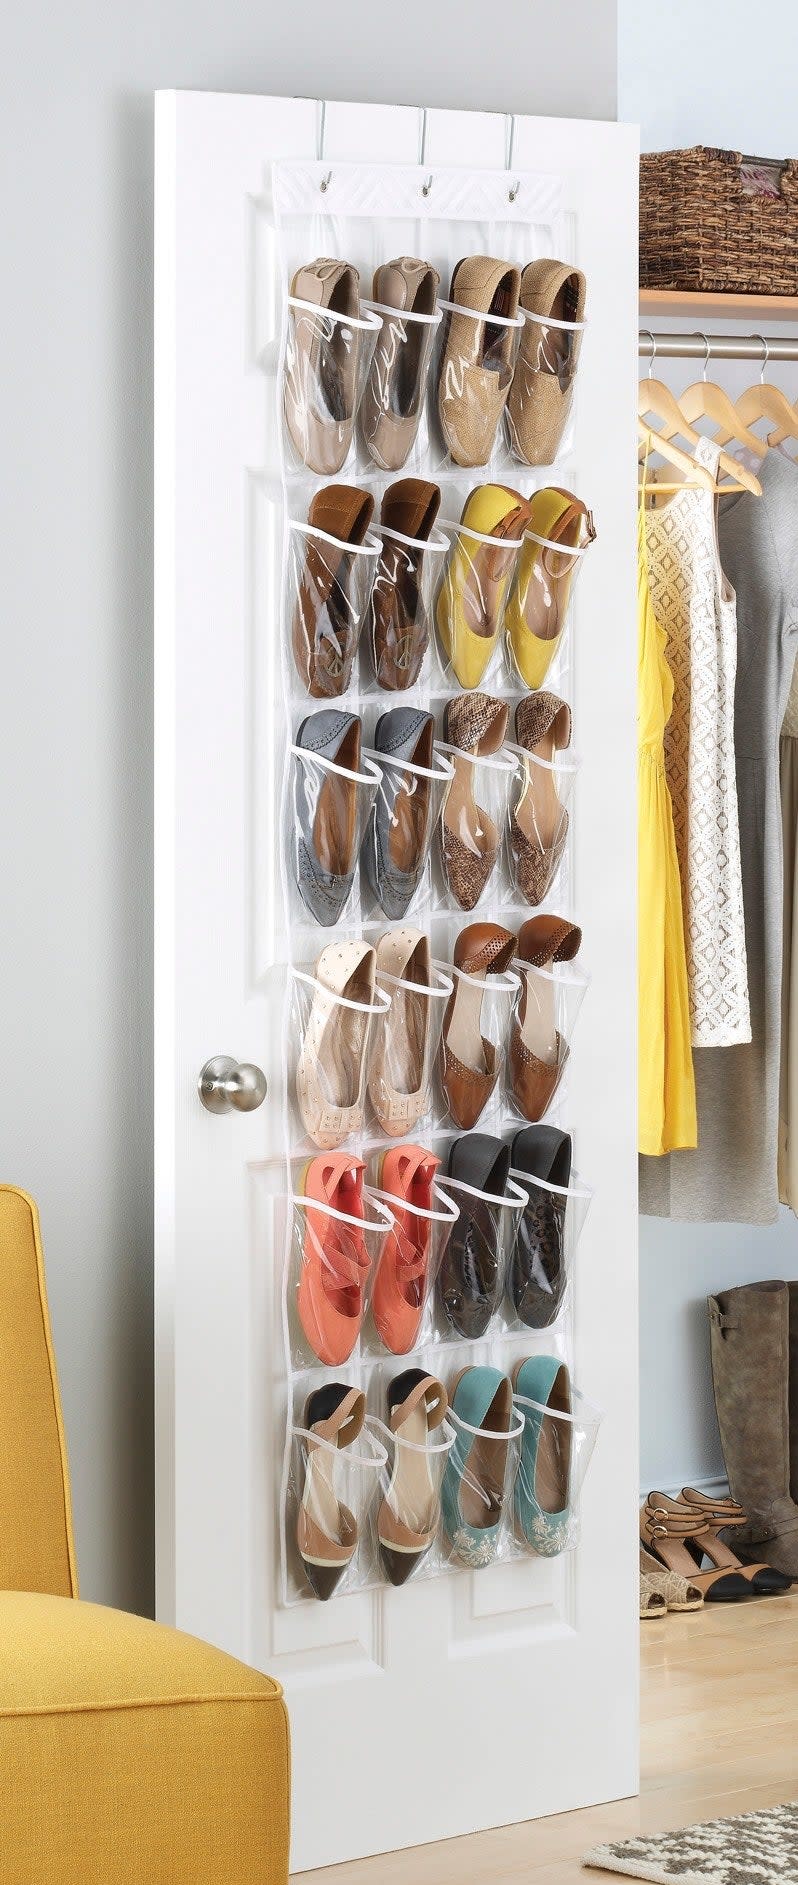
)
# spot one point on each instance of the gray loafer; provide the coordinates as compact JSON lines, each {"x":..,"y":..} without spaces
{"x":325,"y":813}
{"x":398,"y":835}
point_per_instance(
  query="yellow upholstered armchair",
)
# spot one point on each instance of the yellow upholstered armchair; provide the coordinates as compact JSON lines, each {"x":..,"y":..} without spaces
{"x":128,"y":1752}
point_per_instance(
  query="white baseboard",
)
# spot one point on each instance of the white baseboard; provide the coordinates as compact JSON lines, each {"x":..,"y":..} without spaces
{"x":718,"y":1486}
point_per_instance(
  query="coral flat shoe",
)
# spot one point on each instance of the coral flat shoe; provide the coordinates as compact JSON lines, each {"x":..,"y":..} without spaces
{"x":559,"y":529}
{"x":327,"y":1531}
{"x":401,"y":1280}
{"x":476,"y":581}
{"x":335,"y":1263}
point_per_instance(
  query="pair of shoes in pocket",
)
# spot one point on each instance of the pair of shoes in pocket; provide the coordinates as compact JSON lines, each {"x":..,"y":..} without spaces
{"x":486,"y":371}
{"x":495,"y":971}
{"x":329,"y":1523}
{"x":515,"y":1444}
{"x":476,"y":810}
{"x":511,"y":570}
{"x":345,"y":575}
{"x":348,"y":807}
{"x":345,"y":359}
{"x":371,"y":1021}
{"x":496,"y":1248}
{"x":348,"y":1264}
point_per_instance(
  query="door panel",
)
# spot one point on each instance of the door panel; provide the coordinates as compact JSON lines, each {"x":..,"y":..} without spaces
{"x":392,"y":1695}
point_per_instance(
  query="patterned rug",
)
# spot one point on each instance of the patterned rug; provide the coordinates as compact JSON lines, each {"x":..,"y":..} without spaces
{"x":753,"y":1849}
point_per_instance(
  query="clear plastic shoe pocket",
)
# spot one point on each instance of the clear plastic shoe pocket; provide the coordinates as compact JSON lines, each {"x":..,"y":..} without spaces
{"x":550,"y":1000}
{"x":496,"y":1215}
{"x":406,"y":809}
{"x":464,"y":369}
{"x":538,"y":820}
{"x":475,"y":586}
{"x":402,"y":355}
{"x":478,"y":1494}
{"x":414,"y":1249}
{"x":404,"y":1048}
{"x":546,"y":583}
{"x":555,"y":1455}
{"x":327,"y":359}
{"x":406,"y":1518}
{"x":328,"y":1041}
{"x":328,"y":1493}
{"x":549,"y":1230}
{"x":328,"y":587}
{"x":480,"y":785}
{"x":482,"y":1010}
{"x":331,"y":1260}
{"x":400,"y":612}
{"x":330,"y":808}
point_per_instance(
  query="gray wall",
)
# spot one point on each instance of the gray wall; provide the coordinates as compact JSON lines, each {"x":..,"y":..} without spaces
{"x":691,"y":74}
{"x":75,"y":835}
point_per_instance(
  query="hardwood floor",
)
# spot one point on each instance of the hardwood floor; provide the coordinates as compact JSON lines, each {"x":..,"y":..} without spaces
{"x":720,"y":1724}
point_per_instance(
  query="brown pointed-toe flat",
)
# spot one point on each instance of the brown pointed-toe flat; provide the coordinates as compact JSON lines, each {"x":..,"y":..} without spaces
{"x":400,"y":627}
{"x":539,"y":820}
{"x":328,"y":613}
{"x":538,"y":1051}
{"x":475,"y":724}
{"x":470,"y":1063}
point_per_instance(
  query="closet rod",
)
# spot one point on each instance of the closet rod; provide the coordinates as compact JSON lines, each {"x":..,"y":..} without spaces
{"x":694,"y":346}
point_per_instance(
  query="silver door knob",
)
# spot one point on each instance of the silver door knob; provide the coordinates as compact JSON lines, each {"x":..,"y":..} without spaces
{"x":226,"y":1087}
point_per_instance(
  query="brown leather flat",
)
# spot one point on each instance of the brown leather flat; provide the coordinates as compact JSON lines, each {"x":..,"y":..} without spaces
{"x":398,"y":615}
{"x":469,"y":1063}
{"x":326,"y":623}
{"x":538,"y":1052}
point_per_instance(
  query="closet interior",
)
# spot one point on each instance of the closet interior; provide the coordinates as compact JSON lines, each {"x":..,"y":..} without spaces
{"x":718,"y":940}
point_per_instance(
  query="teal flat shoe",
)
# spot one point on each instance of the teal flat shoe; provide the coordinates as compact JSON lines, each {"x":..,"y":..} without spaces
{"x":473,"y":1495}
{"x":542,"y":1496}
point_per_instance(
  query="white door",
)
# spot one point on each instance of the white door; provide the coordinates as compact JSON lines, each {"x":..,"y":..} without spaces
{"x":471,"y":1699}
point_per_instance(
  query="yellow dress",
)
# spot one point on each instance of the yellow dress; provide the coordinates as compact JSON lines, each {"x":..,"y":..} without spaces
{"x":666,"y":1083}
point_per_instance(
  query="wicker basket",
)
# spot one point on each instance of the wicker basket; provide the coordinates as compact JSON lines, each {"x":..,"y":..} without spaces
{"x":716,"y":221}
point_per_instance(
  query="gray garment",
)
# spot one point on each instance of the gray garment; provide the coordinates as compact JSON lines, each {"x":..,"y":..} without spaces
{"x":732,"y":1177}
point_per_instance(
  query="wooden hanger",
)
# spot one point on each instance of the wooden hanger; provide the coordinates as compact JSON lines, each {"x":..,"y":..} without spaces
{"x":761,"y":401}
{"x":704,"y":399}
{"x":654,"y":397}
{"x":696,"y":477}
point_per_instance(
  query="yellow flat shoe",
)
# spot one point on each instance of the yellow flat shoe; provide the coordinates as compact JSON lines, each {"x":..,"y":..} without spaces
{"x":558,"y":532}
{"x":476,"y":581}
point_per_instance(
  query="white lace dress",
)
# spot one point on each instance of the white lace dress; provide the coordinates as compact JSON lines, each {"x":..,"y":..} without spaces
{"x":697,"y":608}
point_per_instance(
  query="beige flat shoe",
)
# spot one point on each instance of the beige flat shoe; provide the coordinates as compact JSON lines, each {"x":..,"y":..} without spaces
{"x":330,"y":1076}
{"x":398,"y":1076}
{"x":542,"y":391}
{"x":322,"y":363}
{"x":477,"y":355}
{"x":393,"y":401}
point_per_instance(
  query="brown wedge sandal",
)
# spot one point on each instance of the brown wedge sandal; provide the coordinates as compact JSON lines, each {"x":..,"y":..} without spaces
{"x":667,"y":1529}
{"x":678,"y":1593}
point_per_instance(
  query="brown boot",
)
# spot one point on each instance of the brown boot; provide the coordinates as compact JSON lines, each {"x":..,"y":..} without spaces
{"x":792,"y":1289}
{"x":750,"y":1341}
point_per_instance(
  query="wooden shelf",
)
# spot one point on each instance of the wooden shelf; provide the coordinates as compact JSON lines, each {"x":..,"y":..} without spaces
{"x":752,"y":308}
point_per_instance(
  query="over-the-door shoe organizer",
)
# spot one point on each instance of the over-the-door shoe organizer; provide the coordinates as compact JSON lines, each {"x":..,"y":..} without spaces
{"x":427,"y":788}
